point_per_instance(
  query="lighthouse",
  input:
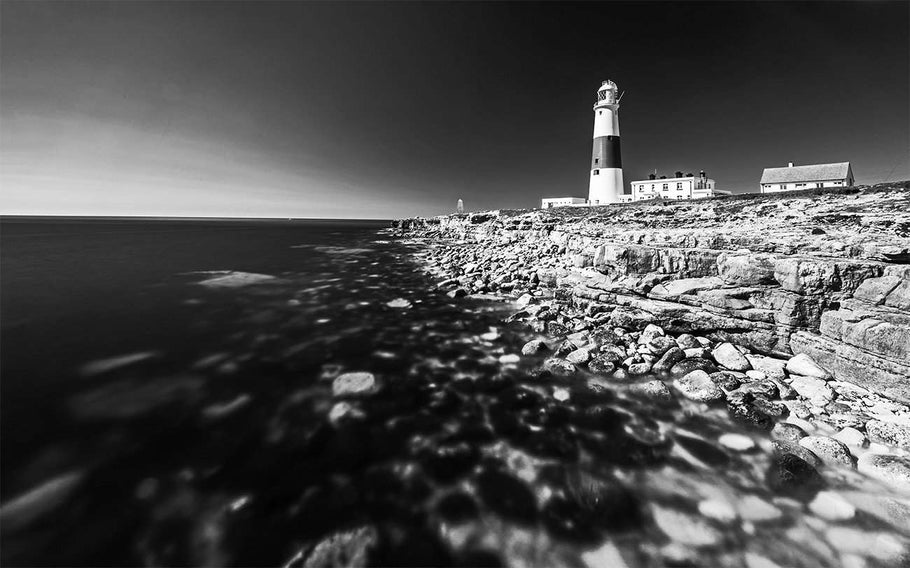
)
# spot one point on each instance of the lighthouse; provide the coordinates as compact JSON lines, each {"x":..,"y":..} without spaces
{"x":606,"y":163}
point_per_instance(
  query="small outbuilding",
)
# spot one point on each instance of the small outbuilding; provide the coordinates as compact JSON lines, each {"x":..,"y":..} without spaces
{"x":549,"y":202}
{"x":806,"y":177}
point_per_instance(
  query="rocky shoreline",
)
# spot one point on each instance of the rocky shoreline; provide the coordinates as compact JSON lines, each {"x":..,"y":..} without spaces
{"x":791,"y":310}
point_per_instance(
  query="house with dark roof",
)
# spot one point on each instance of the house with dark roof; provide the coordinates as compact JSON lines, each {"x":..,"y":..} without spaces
{"x":806,"y":177}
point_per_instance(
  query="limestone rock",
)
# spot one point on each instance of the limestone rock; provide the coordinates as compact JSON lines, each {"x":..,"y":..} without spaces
{"x":354,"y":384}
{"x":802,"y":364}
{"x":829,"y":450}
{"x":729,"y":356}
{"x":816,"y":390}
{"x":889,"y":433}
{"x":697,"y":385}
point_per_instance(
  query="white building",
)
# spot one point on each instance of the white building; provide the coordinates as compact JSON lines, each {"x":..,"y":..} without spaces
{"x":806,"y":177}
{"x":605,"y":185}
{"x":548,"y":202}
{"x":680,"y":186}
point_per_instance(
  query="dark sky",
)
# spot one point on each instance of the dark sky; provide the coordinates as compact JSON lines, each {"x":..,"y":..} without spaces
{"x":394,"y":109}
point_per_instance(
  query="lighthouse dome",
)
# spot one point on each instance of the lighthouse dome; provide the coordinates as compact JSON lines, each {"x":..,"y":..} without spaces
{"x":607,"y":92}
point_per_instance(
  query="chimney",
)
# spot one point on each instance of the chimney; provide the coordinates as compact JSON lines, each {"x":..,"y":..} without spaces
{"x":789,"y":164}
{"x":652,"y":176}
{"x":678,"y":174}
{"x":663,"y":177}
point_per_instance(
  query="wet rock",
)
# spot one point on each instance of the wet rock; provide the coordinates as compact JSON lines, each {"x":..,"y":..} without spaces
{"x":763,"y":388}
{"x":832,"y":507}
{"x":685,"y":528}
{"x":507,"y":496}
{"x":889,"y":433}
{"x":639,"y":368}
{"x":347,"y":548}
{"x":805,"y":366}
{"x":650,"y":332}
{"x":741,"y":408}
{"x":697,"y":385}
{"x":893,"y":470}
{"x":772,"y":408}
{"x":670,"y":357}
{"x":726,"y":381}
{"x":533,"y":347}
{"x":816,"y":390}
{"x":829,"y":450}
{"x":852,"y":437}
{"x":728,"y":356}
{"x":661,"y":344}
{"x":556,"y":329}
{"x":607,"y":555}
{"x":781,"y":447}
{"x":579,"y":356}
{"x":736,"y":442}
{"x":612,"y":353}
{"x":687,"y":341}
{"x":601,"y":365}
{"x":688,"y":365}
{"x":457,"y":293}
{"x":342,"y":411}
{"x":566,"y":519}
{"x":559,"y":367}
{"x":787,"y":432}
{"x":564,"y":348}
{"x":354,"y":384}
{"x":756,"y":510}
{"x":792,"y":476}
{"x":652,"y":389}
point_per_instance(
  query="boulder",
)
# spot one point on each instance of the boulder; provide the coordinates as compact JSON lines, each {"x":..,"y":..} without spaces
{"x":831,"y":451}
{"x":816,"y":390}
{"x":697,"y":385}
{"x":671,"y":357}
{"x":727,"y":355}
{"x":892,"y":470}
{"x":889,"y":433}
{"x":354,"y":384}
{"x":802,"y":364}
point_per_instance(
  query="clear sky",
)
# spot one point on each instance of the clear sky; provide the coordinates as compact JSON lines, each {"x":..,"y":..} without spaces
{"x":381,"y":110}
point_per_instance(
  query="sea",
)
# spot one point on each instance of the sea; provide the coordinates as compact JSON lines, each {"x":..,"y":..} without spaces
{"x":169,"y":398}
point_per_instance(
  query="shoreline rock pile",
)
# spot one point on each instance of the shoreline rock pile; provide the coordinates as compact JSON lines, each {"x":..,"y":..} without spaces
{"x":782,"y":309}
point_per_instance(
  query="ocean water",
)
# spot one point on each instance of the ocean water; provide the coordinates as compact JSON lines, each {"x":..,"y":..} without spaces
{"x":167,"y":399}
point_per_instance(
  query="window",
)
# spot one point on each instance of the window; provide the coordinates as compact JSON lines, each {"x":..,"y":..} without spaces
{"x":652,"y":186}
{"x":595,"y":173}
{"x":783,"y":186}
{"x":679,"y":185}
{"x":800,"y":185}
{"x":596,"y":160}
{"x":819,"y":185}
{"x":838,"y":183}
{"x":666,"y":186}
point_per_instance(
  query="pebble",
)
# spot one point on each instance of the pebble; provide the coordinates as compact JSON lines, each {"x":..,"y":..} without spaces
{"x":509,"y":359}
{"x":802,"y":364}
{"x":736,"y":442}
{"x":354,"y":384}
{"x":684,"y":528}
{"x":832,"y":507}
{"x":727,"y":355}
{"x":399,"y":303}
{"x":698,"y":386}
{"x":831,"y":451}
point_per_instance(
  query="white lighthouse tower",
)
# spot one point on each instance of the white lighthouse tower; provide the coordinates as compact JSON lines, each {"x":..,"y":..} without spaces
{"x":606,"y":163}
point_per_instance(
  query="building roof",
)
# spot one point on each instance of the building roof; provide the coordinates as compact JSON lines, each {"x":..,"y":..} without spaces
{"x":815,"y":172}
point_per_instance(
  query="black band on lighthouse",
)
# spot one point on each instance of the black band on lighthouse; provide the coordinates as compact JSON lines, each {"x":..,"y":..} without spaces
{"x":606,"y":153}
